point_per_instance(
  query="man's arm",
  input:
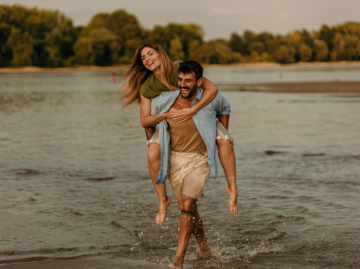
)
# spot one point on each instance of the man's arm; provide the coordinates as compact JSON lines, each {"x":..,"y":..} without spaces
{"x":221,"y":105}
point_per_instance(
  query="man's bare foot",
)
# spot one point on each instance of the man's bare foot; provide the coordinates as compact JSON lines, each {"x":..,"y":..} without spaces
{"x":204,"y":252}
{"x":233,"y":204}
{"x":177,"y":264}
{"x":160,"y":217}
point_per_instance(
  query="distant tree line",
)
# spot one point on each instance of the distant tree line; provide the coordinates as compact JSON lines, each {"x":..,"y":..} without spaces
{"x":46,"y":38}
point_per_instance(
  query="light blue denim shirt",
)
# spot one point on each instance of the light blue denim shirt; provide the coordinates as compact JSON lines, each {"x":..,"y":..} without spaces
{"x":205,"y":121}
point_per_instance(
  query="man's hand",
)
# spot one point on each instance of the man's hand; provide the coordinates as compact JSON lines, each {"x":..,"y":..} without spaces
{"x":184,"y":114}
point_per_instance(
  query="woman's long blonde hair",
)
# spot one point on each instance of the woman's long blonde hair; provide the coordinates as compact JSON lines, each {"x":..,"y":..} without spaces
{"x":137,"y":74}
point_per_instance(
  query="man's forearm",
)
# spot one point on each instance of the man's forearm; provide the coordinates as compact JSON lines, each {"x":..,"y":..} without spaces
{"x":224,"y":120}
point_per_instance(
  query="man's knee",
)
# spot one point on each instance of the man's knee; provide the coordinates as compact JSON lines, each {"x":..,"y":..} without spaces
{"x":154,"y":153}
{"x":224,"y":144}
{"x":187,"y":204}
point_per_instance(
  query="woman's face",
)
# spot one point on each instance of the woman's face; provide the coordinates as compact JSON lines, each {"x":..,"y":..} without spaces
{"x":150,"y":58}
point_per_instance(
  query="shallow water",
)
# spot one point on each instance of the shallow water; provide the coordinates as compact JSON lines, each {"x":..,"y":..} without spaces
{"x":74,"y":177}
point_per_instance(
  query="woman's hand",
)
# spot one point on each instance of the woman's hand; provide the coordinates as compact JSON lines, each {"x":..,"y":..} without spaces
{"x":171,"y":113}
{"x":184,"y":114}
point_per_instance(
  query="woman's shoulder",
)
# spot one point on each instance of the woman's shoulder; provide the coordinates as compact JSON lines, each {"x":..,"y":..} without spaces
{"x":175,"y":68}
{"x":151,"y":87}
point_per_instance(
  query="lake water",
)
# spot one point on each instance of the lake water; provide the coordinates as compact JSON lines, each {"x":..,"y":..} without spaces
{"x":74,"y":178}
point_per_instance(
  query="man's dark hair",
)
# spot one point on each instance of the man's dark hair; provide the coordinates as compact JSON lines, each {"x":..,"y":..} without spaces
{"x":191,"y":66}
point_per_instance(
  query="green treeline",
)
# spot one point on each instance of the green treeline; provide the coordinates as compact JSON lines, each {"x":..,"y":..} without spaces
{"x":46,"y":38}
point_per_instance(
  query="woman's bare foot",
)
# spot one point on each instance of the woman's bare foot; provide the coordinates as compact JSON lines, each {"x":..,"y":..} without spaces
{"x":204,"y":252}
{"x":233,"y":204}
{"x":160,"y":217}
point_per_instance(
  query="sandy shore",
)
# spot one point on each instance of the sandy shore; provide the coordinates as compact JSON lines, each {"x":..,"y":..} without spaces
{"x":296,"y":87}
{"x":34,"y":69}
{"x":93,"y":263}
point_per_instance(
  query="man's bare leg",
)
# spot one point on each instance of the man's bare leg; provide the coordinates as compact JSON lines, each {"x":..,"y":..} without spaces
{"x":227,"y":159}
{"x":185,"y":228}
{"x":198,"y":232}
{"x":154,"y":154}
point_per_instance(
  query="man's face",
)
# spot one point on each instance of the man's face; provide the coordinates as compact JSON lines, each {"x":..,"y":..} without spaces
{"x":188,"y":84}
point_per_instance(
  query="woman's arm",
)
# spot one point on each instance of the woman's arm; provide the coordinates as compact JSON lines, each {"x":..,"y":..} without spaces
{"x":208,"y":95}
{"x":145,"y":110}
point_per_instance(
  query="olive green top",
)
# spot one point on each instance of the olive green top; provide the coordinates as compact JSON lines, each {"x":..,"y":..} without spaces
{"x":152,"y":87}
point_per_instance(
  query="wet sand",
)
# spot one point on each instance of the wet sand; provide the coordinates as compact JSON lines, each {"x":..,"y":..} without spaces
{"x":296,"y":87}
{"x":82,"y":263}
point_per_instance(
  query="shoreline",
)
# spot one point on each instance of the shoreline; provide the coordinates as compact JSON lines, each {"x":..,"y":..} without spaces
{"x":81,"y":263}
{"x":34,"y":69}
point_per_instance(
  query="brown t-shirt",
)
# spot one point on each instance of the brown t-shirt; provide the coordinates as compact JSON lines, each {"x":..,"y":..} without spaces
{"x":185,"y":137}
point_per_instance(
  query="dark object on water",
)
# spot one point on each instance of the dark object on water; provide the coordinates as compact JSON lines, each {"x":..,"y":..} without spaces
{"x":98,"y":179}
{"x":26,"y":172}
{"x":113,"y":77}
{"x":311,"y":155}
{"x":272,"y":152}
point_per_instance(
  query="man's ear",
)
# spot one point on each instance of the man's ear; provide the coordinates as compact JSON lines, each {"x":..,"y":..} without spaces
{"x":199,"y":82}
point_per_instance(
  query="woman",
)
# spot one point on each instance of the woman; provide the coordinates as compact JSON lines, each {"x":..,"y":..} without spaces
{"x":151,"y":73}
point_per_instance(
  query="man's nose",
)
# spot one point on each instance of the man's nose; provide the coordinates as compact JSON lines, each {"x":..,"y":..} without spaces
{"x":182,"y":84}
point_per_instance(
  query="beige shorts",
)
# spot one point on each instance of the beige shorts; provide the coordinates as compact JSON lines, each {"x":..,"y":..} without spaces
{"x":189,"y":173}
{"x":221,"y":134}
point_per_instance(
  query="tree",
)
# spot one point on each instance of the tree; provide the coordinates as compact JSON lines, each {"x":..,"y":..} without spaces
{"x":22,"y":47}
{"x":307,"y":38}
{"x":220,"y":53}
{"x":327,"y":34}
{"x":257,"y":46}
{"x":237,"y":44}
{"x":305,"y":52}
{"x":321,"y":50}
{"x":5,"y":51}
{"x":347,"y":47}
{"x":105,"y":47}
{"x":122,"y":26}
{"x":163,"y":35}
{"x":176,"y":52}
{"x":196,"y":51}
{"x":272,"y":45}
{"x":284,"y":54}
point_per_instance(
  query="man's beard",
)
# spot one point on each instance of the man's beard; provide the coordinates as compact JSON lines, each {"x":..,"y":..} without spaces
{"x":191,"y":93}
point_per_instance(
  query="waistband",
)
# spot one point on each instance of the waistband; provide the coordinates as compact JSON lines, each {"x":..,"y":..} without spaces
{"x":188,"y":154}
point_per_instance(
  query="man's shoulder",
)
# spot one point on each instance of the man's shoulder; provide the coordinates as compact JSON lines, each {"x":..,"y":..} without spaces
{"x":165,"y":96}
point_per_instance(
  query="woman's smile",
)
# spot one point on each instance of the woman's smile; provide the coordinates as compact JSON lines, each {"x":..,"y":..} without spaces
{"x":150,"y":58}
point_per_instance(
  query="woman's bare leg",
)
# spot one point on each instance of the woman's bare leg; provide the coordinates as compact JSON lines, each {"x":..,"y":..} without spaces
{"x":227,"y":159}
{"x":154,"y":154}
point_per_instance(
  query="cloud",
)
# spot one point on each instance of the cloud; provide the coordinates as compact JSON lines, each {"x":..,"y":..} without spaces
{"x":221,"y":10}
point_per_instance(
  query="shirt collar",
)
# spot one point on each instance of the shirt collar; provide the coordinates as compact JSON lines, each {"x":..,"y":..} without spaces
{"x":198,"y":96}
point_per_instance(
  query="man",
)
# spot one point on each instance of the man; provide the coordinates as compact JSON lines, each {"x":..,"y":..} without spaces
{"x":188,"y":154}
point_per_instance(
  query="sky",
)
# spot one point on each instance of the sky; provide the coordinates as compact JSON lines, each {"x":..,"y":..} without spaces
{"x":218,"y":18}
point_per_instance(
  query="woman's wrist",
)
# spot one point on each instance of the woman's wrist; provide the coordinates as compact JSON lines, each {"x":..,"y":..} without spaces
{"x":164,"y":115}
{"x":194,"y":110}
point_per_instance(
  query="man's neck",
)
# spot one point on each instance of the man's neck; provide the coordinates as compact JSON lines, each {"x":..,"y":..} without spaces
{"x":186,"y":102}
